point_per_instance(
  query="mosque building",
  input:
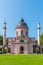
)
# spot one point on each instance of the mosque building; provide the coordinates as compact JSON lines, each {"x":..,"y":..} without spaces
{"x":22,"y":43}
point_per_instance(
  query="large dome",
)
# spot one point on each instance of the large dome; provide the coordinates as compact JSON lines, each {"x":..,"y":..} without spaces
{"x":22,"y":24}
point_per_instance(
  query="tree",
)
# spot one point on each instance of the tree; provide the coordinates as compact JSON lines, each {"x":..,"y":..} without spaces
{"x":36,"y":42}
{"x":7,"y":41}
{"x":1,"y":40}
{"x":41,"y":39}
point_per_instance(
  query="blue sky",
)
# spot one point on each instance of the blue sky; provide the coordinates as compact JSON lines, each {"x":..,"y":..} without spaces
{"x":14,"y":10}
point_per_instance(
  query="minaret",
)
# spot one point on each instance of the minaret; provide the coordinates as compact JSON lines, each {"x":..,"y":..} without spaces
{"x":4,"y":35}
{"x":38,"y":34}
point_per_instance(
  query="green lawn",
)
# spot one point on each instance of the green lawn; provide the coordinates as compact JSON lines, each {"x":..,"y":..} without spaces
{"x":30,"y":59}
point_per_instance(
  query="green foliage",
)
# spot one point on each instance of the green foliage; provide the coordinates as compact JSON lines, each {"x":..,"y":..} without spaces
{"x":1,"y":40}
{"x":36,"y":41}
{"x":1,"y":37}
{"x":41,"y":39}
{"x":7,"y":41}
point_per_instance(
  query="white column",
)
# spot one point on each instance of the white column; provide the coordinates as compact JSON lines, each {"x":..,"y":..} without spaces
{"x":38,"y":34}
{"x":4,"y":34}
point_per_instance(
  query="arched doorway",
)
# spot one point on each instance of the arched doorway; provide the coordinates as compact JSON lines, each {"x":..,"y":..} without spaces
{"x":21,"y":50}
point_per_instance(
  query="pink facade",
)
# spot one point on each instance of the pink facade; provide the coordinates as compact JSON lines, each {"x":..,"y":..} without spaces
{"x":22,"y":43}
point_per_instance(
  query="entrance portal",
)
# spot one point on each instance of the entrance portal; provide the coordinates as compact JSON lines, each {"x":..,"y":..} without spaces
{"x":21,"y":49}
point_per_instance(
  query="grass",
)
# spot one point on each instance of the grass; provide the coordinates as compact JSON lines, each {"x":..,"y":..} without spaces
{"x":29,"y":59}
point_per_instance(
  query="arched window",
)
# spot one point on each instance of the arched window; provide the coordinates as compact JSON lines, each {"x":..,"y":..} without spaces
{"x":26,"y":32}
{"x":21,"y":32}
{"x":34,"y":48}
{"x":17,"y":33}
{"x":21,"y":40}
{"x":21,"y":49}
